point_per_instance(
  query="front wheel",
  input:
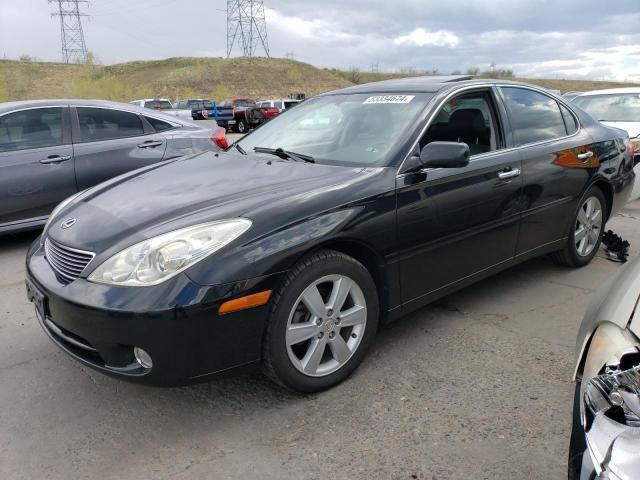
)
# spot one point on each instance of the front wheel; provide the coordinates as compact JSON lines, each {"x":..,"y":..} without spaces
{"x":323,"y":320}
{"x":586,"y":230}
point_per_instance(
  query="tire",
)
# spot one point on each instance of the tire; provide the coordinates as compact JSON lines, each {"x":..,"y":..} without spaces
{"x":241,"y":126}
{"x":578,"y":253}
{"x":288,"y":356}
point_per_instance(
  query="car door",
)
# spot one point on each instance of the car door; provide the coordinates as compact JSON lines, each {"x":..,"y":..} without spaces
{"x":36,"y":163}
{"x":108,"y":142}
{"x":454,"y":223}
{"x":557,"y":161}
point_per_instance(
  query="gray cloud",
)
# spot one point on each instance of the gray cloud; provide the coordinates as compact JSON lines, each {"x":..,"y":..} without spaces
{"x":577,"y":39}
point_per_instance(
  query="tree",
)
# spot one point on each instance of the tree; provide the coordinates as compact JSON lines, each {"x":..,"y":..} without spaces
{"x":354,"y":75}
{"x":473,"y":71}
{"x":220,"y":92}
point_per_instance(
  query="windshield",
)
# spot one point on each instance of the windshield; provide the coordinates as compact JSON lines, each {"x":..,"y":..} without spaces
{"x":611,"y":108}
{"x":357,"y":129}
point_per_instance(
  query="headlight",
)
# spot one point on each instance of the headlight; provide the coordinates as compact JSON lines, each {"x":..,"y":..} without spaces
{"x":155,"y":260}
{"x":57,"y":210}
{"x":615,"y":393}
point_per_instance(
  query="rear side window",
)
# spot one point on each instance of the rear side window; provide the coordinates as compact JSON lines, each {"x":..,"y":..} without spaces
{"x":535,"y":117}
{"x":106,"y":124}
{"x":34,"y":128}
{"x":159,"y":125}
{"x":569,"y":120}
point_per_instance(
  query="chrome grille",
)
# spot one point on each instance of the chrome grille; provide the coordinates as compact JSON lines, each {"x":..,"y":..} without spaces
{"x":68,"y":263}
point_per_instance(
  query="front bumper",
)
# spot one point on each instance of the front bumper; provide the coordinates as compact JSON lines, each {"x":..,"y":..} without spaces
{"x":176,"y":323}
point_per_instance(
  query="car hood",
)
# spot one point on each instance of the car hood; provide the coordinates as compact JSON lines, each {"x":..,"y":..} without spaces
{"x":632,"y":128}
{"x":197,"y":189}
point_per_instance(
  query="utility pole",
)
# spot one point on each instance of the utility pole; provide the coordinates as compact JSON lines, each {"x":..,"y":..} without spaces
{"x":74,"y":48}
{"x":375,"y":67}
{"x":246,"y":24}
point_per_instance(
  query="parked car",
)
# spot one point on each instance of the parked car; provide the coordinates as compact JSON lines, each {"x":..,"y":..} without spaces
{"x":153,"y":103}
{"x":281,"y":104}
{"x":248,"y":114}
{"x":617,"y":107}
{"x":605,"y":439}
{"x":50,"y":149}
{"x":353,"y":209}
{"x":203,"y":109}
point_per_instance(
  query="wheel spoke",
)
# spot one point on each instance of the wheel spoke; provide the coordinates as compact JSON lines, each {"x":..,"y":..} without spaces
{"x":339,"y":349}
{"x":595,"y":216}
{"x":582,"y":217}
{"x":353,"y":316}
{"x":582,"y":245}
{"x":341,"y":289}
{"x":299,"y":332}
{"x":593,"y":237}
{"x":588,"y":207}
{"x":580,"y":233}
{"x":311,"y":360}
{"x":312,"y":299}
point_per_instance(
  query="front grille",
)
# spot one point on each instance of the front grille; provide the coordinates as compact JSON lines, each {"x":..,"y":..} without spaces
{"x":68,"y":263}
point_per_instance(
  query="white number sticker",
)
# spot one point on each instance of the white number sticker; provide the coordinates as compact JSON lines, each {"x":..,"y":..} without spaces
{"x":390,"y":99}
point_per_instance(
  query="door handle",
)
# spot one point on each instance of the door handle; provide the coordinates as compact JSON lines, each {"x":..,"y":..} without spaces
{"x":55,"y":159}
{"x":150,"y":144}
{"x":507,"y":174}
{"x":585,"y":155}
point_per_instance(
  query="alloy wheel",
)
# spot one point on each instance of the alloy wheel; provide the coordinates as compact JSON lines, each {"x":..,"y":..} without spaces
{"x":326,"y":325}
{"x":588,"y":226}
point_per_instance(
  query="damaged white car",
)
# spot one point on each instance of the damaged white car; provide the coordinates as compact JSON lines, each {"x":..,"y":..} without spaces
{"x":605,"y":441}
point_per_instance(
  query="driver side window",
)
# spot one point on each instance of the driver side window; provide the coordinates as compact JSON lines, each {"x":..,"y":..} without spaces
{"x":469,"y":118}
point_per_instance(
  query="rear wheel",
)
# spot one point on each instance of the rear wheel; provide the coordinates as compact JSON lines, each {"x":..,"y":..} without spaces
{"x":241,"y":126}
{"x":586,"y":230}
{"x":322,"y":322}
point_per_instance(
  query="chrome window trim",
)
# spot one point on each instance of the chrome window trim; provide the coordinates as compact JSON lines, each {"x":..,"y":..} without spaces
{"x":172,"y":122}
{"x":24,"y":109}
{"x":31,"y":108}
{"x":481,"y":156}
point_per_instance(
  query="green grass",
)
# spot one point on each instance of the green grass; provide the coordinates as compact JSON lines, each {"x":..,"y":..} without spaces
{"x":195,"y":77}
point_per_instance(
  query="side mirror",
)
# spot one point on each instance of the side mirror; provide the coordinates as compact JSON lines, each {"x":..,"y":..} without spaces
{"x":445,"y":155}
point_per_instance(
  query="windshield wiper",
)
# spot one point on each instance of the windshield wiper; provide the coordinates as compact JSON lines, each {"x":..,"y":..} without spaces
{"x":285,"y":154}
{"x":240,"y":149}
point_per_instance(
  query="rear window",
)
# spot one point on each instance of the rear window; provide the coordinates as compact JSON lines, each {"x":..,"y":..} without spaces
{"x":158,"y":105}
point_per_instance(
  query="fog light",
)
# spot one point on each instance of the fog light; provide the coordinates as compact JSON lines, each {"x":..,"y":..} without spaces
{"x":142,"y":357}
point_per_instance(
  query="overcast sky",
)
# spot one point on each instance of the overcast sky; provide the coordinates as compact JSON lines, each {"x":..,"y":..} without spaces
{"x":596,"y":39}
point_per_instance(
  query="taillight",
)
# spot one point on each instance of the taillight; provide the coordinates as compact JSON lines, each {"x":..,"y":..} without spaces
{"x":220,"y":138}
{"x":634,"y":146}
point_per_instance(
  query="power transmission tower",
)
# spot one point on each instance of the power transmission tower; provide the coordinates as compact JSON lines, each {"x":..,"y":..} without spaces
{"x":246,"y":24}
{"x":74,"y":49}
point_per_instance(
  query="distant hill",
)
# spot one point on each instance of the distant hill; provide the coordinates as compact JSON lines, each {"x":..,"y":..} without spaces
{"x":194,"y":77}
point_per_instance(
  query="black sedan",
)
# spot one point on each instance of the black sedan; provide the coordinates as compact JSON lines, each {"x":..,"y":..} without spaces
{"x":291,"y":248}
{"x":50,"y":149}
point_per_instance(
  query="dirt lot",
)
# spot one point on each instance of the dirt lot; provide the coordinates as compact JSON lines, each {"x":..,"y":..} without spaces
{"x":475,"y":386}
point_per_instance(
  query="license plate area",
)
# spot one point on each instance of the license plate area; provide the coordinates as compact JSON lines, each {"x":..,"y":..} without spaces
{"x":37,"y":298}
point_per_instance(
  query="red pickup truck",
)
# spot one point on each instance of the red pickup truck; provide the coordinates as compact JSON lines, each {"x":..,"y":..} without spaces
{"x":248,"y":114}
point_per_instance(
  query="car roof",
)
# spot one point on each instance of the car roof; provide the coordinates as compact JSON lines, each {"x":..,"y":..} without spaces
{"x":610,"y":91}
{"x":424,"y":84}
{"x":128,"y":107}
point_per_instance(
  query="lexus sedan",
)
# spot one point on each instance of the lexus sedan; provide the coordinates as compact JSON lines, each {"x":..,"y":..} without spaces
{"x":605,"y":441}
{"x":352,"y":209}
{"x":51,"y":149}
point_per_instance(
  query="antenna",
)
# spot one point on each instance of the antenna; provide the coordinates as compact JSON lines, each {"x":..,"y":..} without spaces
{"x":74,"y":49}
{"x":246,"y":23}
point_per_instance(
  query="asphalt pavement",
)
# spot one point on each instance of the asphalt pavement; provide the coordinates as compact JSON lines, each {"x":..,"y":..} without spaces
{"x":476,"y":386}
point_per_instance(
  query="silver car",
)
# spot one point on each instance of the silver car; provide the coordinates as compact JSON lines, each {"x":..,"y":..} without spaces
{"x":605,"y":441}
{"x":51,"y":149}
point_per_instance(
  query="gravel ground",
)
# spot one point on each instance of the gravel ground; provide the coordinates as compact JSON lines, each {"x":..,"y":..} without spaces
{"x":475,"y":386}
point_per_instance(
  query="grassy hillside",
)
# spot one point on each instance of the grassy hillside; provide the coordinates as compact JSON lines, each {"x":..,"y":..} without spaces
{"x":194,"y":77}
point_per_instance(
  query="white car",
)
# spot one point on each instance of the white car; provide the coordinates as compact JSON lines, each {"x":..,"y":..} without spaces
{"x":153,"y":103}
{"x":281,"y":104}
{"x":620,"y":108}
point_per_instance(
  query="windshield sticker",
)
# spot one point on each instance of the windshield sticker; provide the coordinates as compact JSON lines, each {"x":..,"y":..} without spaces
{"x":390,"y":99}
